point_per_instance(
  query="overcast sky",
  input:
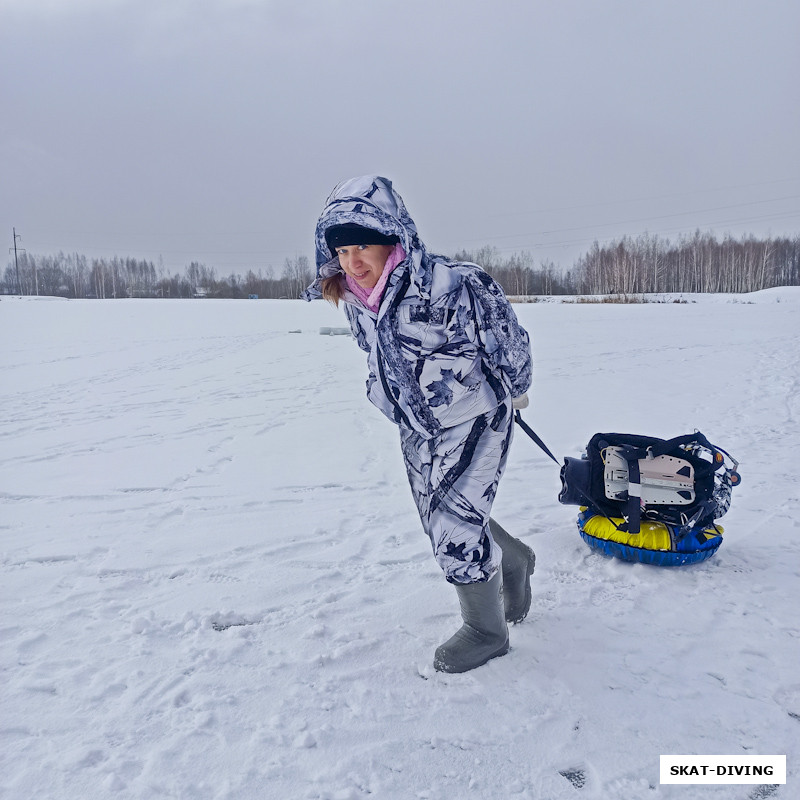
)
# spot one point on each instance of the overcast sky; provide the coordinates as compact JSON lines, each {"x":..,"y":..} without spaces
{"x":213,"y":130}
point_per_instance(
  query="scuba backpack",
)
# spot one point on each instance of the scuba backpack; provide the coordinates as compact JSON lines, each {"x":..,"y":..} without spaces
{"x":648,"y":499}
{"x":685,"y":482}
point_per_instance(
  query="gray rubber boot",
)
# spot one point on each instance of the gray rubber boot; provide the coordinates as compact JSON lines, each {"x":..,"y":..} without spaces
{"x":518,"y":563}
{"x":484,"y":633}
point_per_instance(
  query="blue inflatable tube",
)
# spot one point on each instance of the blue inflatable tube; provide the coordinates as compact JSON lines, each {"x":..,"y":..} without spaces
{"x":666,"y":548}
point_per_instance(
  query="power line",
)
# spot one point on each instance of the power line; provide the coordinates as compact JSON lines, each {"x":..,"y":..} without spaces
{"x":266,"y":254}
{"x":644,"y":219}
{"x":249,"y":258}
{"x":605,"y":203}
{"x":679,"y":229}
{"x":192,"y":235}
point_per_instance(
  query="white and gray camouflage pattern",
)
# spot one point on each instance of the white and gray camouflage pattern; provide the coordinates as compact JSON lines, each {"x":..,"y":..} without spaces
{"x":445,"y":346}
{"x":454,"y":478}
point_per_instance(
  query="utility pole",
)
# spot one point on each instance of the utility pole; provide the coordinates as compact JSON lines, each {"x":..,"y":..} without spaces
{"x":16,"y":262}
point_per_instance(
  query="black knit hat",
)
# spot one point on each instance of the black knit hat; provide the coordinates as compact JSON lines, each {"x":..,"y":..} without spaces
{"x":351,"y":234}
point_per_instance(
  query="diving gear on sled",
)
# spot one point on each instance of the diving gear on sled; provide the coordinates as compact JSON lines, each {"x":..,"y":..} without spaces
{"x":685,"y":482}
{"x":647,"y":499}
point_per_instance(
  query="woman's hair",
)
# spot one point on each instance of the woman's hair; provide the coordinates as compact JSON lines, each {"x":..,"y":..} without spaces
{"x":333,"y":288}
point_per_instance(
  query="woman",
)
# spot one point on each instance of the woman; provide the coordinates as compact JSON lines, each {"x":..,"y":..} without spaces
{"x":447,"y":358}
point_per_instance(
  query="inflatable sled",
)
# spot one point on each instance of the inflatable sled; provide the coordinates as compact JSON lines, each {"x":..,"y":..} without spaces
{"x":647,"y":499}
{"x":651,"y":500}
{"x":656,"y":543}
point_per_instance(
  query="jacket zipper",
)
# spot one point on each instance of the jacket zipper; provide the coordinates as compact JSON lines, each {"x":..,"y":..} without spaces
{"x":401,"y":290}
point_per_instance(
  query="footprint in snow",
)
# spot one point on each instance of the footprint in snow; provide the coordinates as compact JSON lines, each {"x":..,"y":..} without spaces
{"x":575,"y":775}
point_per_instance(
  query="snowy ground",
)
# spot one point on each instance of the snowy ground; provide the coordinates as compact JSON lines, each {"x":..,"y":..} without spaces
{"x":215,"y":585}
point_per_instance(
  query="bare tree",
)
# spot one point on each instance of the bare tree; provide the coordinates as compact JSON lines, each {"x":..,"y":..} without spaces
{"x":296,"y":275}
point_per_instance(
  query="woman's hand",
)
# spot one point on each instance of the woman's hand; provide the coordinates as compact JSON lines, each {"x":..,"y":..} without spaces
{"x":520,"y":402}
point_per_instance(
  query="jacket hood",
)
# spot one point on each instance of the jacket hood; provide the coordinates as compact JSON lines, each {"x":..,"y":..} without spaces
{"x":372,"y":202}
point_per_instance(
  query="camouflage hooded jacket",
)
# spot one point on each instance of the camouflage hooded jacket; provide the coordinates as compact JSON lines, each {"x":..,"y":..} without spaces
{"x":445,"y":345}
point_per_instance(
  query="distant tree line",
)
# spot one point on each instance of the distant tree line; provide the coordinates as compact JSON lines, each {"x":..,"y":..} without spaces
{"x":696,"y":263}
{"x":73,"y":275}
{"x":517,"y":274}
{"x":644,"y":264}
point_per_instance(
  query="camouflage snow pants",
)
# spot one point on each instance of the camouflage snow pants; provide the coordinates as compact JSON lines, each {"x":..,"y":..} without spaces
{"x":454,"y":479}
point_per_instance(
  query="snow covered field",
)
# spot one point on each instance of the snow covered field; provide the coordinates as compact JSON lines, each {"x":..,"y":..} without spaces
{"x":215,"y":585}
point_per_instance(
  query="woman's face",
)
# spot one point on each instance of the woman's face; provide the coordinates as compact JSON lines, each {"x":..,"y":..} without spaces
{"x":364,"y":262}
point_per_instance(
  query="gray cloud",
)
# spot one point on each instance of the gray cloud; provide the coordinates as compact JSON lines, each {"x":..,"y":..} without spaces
{"x":214,"y":130}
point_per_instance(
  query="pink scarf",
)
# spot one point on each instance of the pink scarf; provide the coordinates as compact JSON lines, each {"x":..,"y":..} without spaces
{"x":371,"y":298}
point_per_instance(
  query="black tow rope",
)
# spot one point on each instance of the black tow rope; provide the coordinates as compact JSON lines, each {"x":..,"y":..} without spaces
{"x":527,"y":428}
{"x":589,"y":502}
